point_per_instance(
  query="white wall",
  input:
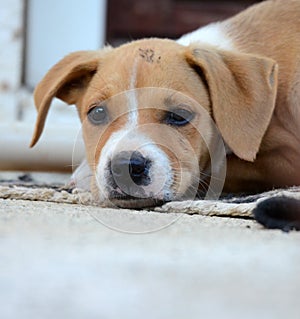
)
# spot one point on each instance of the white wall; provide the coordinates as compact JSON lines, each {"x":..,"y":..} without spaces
{"x":58,"y":27}
{"x":10,"y":57}
{"x":55,"y":28}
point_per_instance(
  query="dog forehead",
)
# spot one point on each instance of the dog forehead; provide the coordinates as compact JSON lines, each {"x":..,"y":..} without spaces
{"x":156,"y":63}
{"x":149,"y":57}
{"x":149,"y":50}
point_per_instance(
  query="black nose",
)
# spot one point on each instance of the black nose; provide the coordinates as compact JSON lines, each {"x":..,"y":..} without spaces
{"x":129,"y":167}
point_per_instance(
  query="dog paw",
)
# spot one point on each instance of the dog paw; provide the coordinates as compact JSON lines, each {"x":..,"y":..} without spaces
{"x":81,"y":177}
{"x":279,"y":213}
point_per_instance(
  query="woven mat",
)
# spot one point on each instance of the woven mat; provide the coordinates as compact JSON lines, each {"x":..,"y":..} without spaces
{"x":46,"y":193}
{"x":239,"y":206}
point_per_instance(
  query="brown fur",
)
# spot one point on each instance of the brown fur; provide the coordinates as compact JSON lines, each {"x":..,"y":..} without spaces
{"x":272,"y":29}
{"x":252,"y":93}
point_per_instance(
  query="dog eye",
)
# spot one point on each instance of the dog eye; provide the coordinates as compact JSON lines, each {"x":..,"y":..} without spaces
{"x":179,"y":117}
{"x":97,"y":115}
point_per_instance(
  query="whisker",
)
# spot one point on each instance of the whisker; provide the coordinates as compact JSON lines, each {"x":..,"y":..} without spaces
{"x":198,"y":186}
{"x":203,"y":174}
{"x":216,"y":178}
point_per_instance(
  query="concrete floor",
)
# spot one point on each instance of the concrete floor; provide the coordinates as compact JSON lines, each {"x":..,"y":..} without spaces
{"x":61,"y":261}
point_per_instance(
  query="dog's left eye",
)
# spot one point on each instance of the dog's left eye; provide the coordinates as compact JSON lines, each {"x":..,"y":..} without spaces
{"x":178,"y":117}
{"x":97,"y":115}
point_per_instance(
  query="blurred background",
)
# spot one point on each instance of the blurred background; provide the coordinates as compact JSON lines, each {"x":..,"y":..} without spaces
{"x":35,"y":34}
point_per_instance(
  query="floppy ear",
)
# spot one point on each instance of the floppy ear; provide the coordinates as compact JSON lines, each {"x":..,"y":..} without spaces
{"x":66,"y":80}
{"x":242,"y":90}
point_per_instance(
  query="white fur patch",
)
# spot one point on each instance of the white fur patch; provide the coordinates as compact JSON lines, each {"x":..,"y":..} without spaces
{"x":132,"y":98}
{"x":81,"y":177}
{"x":211,"y":34}
{"x":129,"y":138}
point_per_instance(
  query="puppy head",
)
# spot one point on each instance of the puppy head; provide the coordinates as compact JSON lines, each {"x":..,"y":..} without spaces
{"x":146,"y":110}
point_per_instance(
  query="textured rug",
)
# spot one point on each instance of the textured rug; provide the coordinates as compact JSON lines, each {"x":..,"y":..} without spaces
{"x":25,"y":187}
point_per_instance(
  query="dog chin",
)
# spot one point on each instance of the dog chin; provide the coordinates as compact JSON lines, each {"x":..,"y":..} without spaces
{"x":137,"y":203}
{"x":140,"y":203}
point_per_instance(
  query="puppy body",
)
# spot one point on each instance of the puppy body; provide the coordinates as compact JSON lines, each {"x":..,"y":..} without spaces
{"x":244,"y":73}
{"x":277,"y":37}
{"x":270,"y":29}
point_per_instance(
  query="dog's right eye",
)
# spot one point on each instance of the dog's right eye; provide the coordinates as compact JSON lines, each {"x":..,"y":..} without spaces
{"x":178,"y":117}
{"x":97,"y":115}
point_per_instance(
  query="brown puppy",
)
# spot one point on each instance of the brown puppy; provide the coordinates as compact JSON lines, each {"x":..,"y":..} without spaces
{"x":146,"y":106}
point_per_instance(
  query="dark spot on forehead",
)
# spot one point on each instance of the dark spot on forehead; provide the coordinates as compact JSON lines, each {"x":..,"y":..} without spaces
{"x":149,"y":55}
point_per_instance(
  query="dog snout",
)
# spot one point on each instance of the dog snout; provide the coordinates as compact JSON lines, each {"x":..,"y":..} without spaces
{"x":130,"y":167}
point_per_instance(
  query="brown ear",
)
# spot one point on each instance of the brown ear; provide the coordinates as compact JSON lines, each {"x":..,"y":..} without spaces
{"x":66,"y":80}
{"x":242,"y":89}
